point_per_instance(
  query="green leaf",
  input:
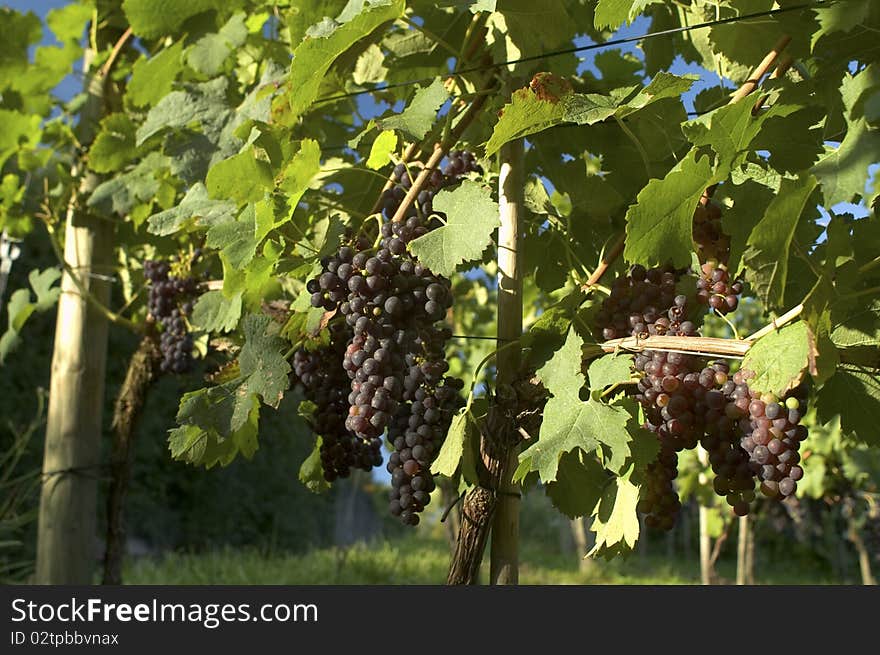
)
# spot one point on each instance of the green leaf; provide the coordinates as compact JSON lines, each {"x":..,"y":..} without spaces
{"x":731,"y":129}
{"x":417,"y":119}
{"x":114,"y":145}
{"x":569,"y":422}
{"x":766,"y":259}
{"x":855,"y":396}
{"x":120,"y":194}
{"x":528,"y":113}
{"x":750,"y":201}
{"x":314,"y":56}
{"x":195,"y":207}
{"x":779,"y":359}
{"x":839,"y":18}
{"x":214,"y":312}
{"x":824,"y":357}
{"x":152,"y":78}
{"x":242,"y":178}
{"x":609,"y":369}
{"x":298,"y":175}
{"x":611,"y":14}
{"x":471,"y":217}
{"x":547,"y":334}
{"x":221,"y":410}
{"x":311,"y":473}
{"x":204,"y":105}
{"x":615,"y":521}
{"x":261,"y":361}
{"x":382,"y":149}
{"x":563,"y":371}
{"x":209,"y":53}
{"x":659,"y":225}
{"x":68,"y":23}
{"x":860,"y":327}
{"x":153,"y":18}
{"x":235,"y":239}
{"x":663,"y":85}
{"x":579,"y":487}
{"x":369,"y":68}
{"x":843,"y":171}
{"x":461,"y":431}
{"x":18,"y":129}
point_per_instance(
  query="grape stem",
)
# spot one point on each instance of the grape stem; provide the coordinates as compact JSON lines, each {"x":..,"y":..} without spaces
{"x":436,"y":157}
{"x":605,"y":263}
{"x":777,"y":323}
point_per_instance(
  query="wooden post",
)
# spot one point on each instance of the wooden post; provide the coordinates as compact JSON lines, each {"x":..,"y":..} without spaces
{"x":66,"y":536}
{"x":705,"y":539}
{"x":504,"y":565}
{"x":742,"y":551}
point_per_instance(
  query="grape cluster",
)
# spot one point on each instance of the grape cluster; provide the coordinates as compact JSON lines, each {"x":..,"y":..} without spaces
{"x":171,"y":300}
{"x":688,"y":402}
{"x":394,"y":357}
{"x":645,"y":303}
{"x":416,"y":433}
{"x":659,"y":502}
{"x":323,"y":380}
{"x":709,"y":236}
{"x":715,"y":289}
{"x":772,"y":436}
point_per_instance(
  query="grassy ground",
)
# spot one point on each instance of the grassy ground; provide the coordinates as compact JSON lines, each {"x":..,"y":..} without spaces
{"x":419,"y":560}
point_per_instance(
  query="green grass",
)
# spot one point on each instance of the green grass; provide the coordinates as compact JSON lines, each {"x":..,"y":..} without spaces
{"x":421,"y":560}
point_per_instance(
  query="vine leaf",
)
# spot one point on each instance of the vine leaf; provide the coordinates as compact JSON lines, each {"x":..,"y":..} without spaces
{"x":21,"y":307}
{"x":766,"y":257}
{"x":859,"y":392}
{"x":209,"y":53}
{"x":569,"y":422}
{"x":615,"y":520}
{"x":860,"y":328}
{"x":461,"y":431}
{"x":242,"y":178}
{"x":261,"y":361}
{"x":609,"y":369}
{"x":235,"y":239}
{"x":325,"y":42}
{"x":203,"y":104}
{"x":550,"y":101}
{"x":311,"y":473}
{"x":382,"y":149}
{"x":417,"y":119}
{"x":195,"y":206}
{"x":153,"y":78}
{"x":611,"y":14}
{"x":843,"y":170}
{"x":780,"y":358}
{"x":114,"y":145}
{"x":578,"y":486}
{"x":214,"y":312}
{"x":471,"y":217}
{"x":659,"y":224}
{"x":152,"y":18}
